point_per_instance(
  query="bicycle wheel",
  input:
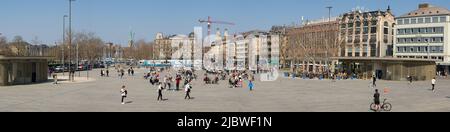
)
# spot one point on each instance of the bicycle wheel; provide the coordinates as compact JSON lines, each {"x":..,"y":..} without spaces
{"x":387,"y":107}
{"x":373,"y":107}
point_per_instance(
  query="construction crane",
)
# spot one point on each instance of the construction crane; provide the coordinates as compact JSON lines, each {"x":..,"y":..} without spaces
{"x":209,"y":22}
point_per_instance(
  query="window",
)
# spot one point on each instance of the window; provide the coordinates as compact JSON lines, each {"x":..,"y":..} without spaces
{"x":435,"y":19}
{"x":343,"y":26}
{"x":415,"y":30}
{"x":439,"y":30}
{"x":350,"y":25}
{"x":373,"y":30}
{"x":374,"y":22}
{"x":401,"y":40}
{"x":358,"y":24}
{"x":427,"y":20}
{"x":365,"y":30}
{"x":408,"y":40}
{"x":422,"y":30}
{"x":401,"y":31}
{"x":366,"y":23}
{"x":365,"y":38}
{"x":358,"y":31}
{"x":420,"y":20}
{"x":438,"y":39}
{"x":413,"y":20}
{"x":430,"y":30}
{"x":400,"y":21}
{"x":414,"y":40}
{"x":408,"y":31}
{"x":386,"y":30}
{"x":419,"y":49}
{"x":443,"y":19}
{"x":406,"y":21}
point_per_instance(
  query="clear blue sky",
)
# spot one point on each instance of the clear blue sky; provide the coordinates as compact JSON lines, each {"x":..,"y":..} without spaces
{"x":112,"y":19}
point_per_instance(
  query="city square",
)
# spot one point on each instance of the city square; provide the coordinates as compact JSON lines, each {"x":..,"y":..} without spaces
{"x":325,"y":54}
{"x":102,"y":94}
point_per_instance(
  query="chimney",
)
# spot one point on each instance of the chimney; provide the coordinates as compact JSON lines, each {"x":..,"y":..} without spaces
{"x":424,"y":5}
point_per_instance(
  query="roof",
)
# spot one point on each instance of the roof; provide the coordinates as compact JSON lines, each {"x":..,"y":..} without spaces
{"x":26,"y":58}
{"x":427,"y":10}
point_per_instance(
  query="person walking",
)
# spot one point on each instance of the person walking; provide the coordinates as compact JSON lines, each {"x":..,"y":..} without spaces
{"x":107,"y":73}
{"x":160,"y":88}
{"x":433,"y":83}
{"x":129,"y":71}
{"x":250,"y":85}
{"x":132,"y":71}
{"x":374,"y":80}
{"x":55,"y":78}
{"x":123,"y":93}
{"x":122,"y":72}
{"x":178,"y":79}
{"x":187,"y":89}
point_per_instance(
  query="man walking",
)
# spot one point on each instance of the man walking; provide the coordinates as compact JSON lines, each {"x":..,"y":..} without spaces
{"x":178,"y":79}
{"x":374,"y":80}
{"x":160,"y":88}
{"x":187,"y":89}
{"x":107,"y":73}
{"x":132,"y":71}
{"x":123,"y":93}
{"x":433,"y":83}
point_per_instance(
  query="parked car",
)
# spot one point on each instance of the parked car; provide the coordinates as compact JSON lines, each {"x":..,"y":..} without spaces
{"x":59,"y":69}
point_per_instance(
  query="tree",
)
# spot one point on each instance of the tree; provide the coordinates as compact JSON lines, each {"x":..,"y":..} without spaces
{"x":90,"y":46}
{"x":19,"y":46}
{"x":4,"y":47}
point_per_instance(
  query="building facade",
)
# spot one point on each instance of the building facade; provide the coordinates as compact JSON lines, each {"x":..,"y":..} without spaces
{"x":367,"y":33}
{"x":311,"y":45}
{"x":424,"y":34}
{"x":163,"y":47}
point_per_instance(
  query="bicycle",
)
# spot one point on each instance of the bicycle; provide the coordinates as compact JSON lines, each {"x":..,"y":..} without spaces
{"x":386,"y":106}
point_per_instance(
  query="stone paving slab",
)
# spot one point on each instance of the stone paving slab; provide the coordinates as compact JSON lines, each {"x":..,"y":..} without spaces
{"x":284,"y":95}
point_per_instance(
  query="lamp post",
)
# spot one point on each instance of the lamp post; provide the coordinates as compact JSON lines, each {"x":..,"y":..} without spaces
{"x":64,"y":42}
{"x":329,"y":13}
{"x":70,"y":40}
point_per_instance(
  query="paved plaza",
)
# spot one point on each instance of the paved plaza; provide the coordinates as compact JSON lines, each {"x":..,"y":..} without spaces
{"x":101,"y":94}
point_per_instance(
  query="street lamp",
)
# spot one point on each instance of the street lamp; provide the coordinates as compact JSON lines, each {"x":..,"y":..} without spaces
{"x":329,"y":13}
{"x":70,"y":40}
{"x":64,"y":42}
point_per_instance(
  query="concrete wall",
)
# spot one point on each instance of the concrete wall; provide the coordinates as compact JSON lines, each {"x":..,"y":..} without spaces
{"x":20,"y":71}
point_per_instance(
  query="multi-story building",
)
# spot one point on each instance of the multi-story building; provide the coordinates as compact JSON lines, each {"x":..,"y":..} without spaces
{"x":281,"y":31}
{"x":367,"y":33}
{"x":424,"y":34}
{"x":312,"y":45}
{"x":163,"y":47}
